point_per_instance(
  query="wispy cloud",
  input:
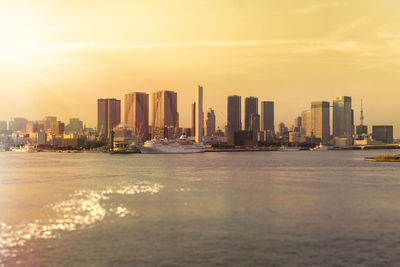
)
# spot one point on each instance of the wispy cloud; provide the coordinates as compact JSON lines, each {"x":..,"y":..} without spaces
{"x":277,"y":46}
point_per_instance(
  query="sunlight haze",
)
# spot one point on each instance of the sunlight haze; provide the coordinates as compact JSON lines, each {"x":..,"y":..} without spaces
{"x":58,"y":57}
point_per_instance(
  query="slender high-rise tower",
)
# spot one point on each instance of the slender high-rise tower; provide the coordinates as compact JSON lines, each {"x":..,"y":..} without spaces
{"x":199,"y":114}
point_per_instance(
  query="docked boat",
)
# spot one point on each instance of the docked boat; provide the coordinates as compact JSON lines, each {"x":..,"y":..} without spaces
{"x":320,"y":147}
{"x":120,"y":148}
{"x":165,"y":146}
{"x":26,"y":148}
{"x":393,"y":158}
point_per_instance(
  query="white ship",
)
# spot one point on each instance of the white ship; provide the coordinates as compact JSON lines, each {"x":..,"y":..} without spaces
{"x":165,"y":146}
{"x":26,"y":148}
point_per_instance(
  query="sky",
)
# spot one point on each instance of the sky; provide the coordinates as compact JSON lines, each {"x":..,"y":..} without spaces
{"x":59,"y":57}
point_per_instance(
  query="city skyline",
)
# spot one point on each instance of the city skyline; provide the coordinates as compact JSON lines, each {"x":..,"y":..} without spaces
{"x":314,"y":52}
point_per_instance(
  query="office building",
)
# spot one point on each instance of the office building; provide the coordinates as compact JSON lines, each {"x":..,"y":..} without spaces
{"x":137,"y":113}
{"x":383,"y":133}
{"x":267,"y":116}
{"x":250,"y":107}
{"x":342,"y":117}
{"x":199,"y":114}
{"x":234,"y":121}
{"x":306,"y":123}
{"x":320,"y":120}
{"x":108,"y":115}
{"x":209,"y":123}
{"x":165,"y":117}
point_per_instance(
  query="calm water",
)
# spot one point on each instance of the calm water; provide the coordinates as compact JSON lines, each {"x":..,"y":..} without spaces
{"x":230,"y":209}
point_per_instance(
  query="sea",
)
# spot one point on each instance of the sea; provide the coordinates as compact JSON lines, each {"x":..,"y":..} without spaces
{"x":321,"y":208}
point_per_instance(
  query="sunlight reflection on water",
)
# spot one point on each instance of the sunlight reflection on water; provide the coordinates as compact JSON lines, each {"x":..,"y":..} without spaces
{"x":84,"y":208}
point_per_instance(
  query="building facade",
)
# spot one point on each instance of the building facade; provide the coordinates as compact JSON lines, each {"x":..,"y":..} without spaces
{"x":108,"y":115}
{"x":267,"y":116}
{"x":136,"y":113}
{"x":165,"y":114}
{"x":383,"y":133}
{"x":342,"y":117}
{"x":320,"y":120}
{"x":234,"y":120}
{"x":209,"y":123}
{"x":250,"y":107}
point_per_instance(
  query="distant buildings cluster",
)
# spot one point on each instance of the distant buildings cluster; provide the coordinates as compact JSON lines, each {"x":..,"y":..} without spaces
{"x":311,"y":127}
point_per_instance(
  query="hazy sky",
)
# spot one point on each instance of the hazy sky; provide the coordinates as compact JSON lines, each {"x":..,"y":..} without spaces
{"x":58,"y":57}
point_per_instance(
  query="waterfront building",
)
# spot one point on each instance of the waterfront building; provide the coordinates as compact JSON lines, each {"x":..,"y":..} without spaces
{"x":165,"y":117}
{"x":267,"y":116}
{"x":193,"y":131}
{"x":108,"y":115}
{"x":342,"y":117}
{"x":137,"y":113}
{"x":234,"y":121}
{"x":383,"y":133}
{"x":199,"y":114}
{"x":209,"y":123}
{"x":306,"y":123}
{"x":320,"y":120}
{"x":250,"y":107}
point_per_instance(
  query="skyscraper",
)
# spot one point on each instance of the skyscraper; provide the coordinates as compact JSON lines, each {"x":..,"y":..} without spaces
{"x":165,"y":109}
{"x":165,"y":114}
{"x":306,"y":123}
{"x":209,"y":123}
{"x":108,"y":115}
{"x":234,"y":122}
{"x":250,"y":107}
{"x":342,"y":117}
{"x":199,"y":114}
{"x":137,"y":113}
{"x":320,"y":120}
{"x":267,"y":116}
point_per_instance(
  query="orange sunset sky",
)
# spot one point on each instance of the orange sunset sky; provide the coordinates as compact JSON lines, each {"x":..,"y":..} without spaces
{"x":58,"y":57}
